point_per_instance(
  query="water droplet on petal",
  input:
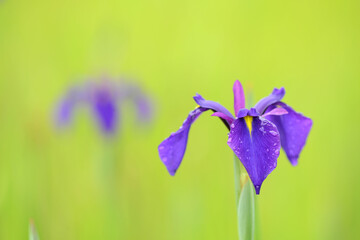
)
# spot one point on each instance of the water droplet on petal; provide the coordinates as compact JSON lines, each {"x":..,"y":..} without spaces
{"x":273,"y":133}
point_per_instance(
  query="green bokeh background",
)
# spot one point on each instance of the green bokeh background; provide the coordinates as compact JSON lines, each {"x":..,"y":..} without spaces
{"x":175,"y":49}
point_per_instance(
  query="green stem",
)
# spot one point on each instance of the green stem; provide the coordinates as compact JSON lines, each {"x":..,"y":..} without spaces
{"x":245,"y":202}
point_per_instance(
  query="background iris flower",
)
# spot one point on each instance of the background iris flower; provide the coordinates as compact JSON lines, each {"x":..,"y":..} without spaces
{"x":255,"y":136}
{"x":105,"y":99}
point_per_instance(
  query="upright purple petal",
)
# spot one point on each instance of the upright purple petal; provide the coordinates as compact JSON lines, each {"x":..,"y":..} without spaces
{"x":256,"y":143}
{"x":172,"y":149}
{"x":239,"y":96}
{"x":274,"y":97}
{"x":294,"y":129}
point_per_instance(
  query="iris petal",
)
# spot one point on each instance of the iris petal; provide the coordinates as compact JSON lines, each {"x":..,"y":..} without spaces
{"x":256,"y":147}
{"x":134,"y":93}
{"x":64,"y":111}
{"x":294,"y":129}
{"x":223,"y":116}
{"x":105,"y":109}
{"x":144,"y":108}
{"x":274,"y":97}
{"x":239,"y":96}
{"x":276,"y":111}
{"x":217,"y":107}
{"x":172,"y":149}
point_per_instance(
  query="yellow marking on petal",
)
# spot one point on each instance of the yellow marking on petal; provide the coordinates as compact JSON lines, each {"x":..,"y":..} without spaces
{"x":248,"y":121}
{"x":197,"y":106}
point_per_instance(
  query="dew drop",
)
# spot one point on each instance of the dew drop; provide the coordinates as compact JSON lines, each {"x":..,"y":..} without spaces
{"x":273,"y":133}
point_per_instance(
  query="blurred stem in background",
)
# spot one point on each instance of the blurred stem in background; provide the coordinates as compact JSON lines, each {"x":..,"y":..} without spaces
{"x":108,"y":165}
{"x":108,"y":177}
{"x":33,"y":235}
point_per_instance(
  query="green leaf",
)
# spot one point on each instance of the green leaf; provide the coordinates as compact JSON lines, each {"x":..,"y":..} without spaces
{"x":246,"y":212}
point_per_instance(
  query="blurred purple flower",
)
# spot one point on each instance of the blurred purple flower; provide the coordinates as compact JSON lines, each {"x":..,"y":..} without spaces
{"x":255,"y":136}
{"x":104,"y":98}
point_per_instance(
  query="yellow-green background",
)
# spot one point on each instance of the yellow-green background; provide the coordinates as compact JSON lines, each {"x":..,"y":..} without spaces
{"x":175,"y":49}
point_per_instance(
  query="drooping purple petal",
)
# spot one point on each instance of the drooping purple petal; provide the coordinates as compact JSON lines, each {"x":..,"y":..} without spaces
{"x":217,"y":107}
{"x":239,"y":96}
{"x":144,"y":108}
{"x":257,"y":147}
{"x":64,"y":111}
{"x":134,"y":93}
{"x":274,"y":97}
{"x":294,"y":129}
{"x":105,"y":109}
{"x":172,"y":149}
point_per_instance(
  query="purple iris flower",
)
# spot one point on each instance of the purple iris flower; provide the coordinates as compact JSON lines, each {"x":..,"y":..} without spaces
{"x":256,"y":134}
{"x":104,"y":99}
